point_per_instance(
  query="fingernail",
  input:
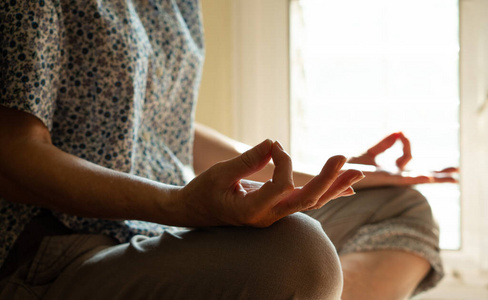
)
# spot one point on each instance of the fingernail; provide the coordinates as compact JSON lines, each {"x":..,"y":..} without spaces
{"x":341,"y":163}
{"x":347,"y":193}
{"x":265,"y":146}
{"x":358,"y":177}
{"x":279,"y":145}
{"x":267,"y":141}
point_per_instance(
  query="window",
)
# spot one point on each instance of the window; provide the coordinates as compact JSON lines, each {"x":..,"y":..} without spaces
{"x":363,"y":69}
{"x":261,"y":106}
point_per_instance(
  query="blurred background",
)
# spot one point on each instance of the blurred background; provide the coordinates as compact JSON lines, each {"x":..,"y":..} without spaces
{"x":333,"y":77}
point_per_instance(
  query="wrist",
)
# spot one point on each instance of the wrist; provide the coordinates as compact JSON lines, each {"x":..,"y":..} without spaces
{"x":166,"y":206}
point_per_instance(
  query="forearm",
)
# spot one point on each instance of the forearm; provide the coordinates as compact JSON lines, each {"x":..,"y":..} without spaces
{"x":40,"y":174}
{"x":211,"y":147}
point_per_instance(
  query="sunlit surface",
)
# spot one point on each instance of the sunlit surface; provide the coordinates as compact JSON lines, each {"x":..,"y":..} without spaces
{"x":364,"y":69}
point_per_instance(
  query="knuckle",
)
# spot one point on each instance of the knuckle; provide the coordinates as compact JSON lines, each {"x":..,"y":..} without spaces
{"x":287,"y":158}
{"x":285,"y":188}
{"x":309,"y":202}
{"x":247,"y":160}
{"x":255,"y":218}
{"x":248,"y":217}
{"x":215,"y":172}
{"x":216,"y":168}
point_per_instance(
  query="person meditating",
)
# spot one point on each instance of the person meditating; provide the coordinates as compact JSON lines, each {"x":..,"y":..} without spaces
{"x":109,"y":190}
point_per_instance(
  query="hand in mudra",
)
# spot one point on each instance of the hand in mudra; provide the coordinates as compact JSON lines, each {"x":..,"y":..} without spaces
{"x":221,"y":195}
{"x":381,"y":177}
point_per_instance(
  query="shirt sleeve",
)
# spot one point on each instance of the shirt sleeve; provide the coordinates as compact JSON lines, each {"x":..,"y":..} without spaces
{"x":30,"y":57}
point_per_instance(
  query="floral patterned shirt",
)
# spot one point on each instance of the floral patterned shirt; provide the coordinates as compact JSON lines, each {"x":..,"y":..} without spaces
{"x":114,"y":81}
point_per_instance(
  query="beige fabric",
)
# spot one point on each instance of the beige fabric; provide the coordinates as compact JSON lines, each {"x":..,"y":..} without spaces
{"x":293,"y":259}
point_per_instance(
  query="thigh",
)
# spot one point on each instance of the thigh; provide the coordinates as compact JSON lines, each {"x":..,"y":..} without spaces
{"x":34,"y":276}
{"x":292,"y":259}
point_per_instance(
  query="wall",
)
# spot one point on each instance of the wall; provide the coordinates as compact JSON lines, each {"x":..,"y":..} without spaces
{"x":474,"y":129}
{"x":244,"y":92}
{"x":214,"y":106}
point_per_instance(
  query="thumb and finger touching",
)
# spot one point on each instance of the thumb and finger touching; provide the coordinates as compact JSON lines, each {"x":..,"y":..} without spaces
{"x":403,"y":160}
{"x":370,"y":156}
{"x":282,"y":182}
{"x":224,"y":202}
{"x":383,"y":145}
{"x":283,"y":172}
{"x":247,"y":163}
{"x":279,"y":197}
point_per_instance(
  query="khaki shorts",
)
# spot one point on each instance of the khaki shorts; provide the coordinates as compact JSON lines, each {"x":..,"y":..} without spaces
{"x":293,"y":259}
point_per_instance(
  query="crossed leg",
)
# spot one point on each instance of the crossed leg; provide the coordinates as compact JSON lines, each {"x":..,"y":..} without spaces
{"x":387,"y":242}
{"x":292,"y":259}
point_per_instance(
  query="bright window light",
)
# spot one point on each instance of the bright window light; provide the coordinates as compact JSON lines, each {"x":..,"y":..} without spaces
{"x":363,"y":69}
